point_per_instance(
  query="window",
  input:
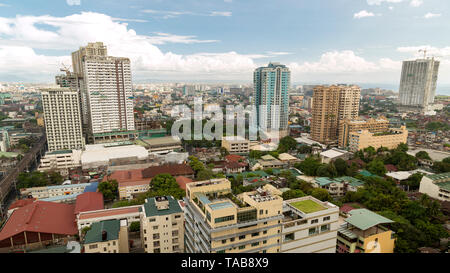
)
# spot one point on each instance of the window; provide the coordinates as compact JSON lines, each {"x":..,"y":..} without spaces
{"x":302,"y":222}
{"x":157,"y":250}
{"x":156,"y":244}
{"x":224,"y":241}
{"x":156,"y":236}
{"x":241,"y":247}
{"x":152,"y":220}
{"x":313,"y":231}
{"x":289,"y":237}
{"x":221,"y":251}
{"x":326,"y":218}
{"x":255,"y":234}
{"x":265,"y":242}
{"x":93,"y":246}
{"x":224,"y":219}
{"x":315,"y":221}
{"x":242,"y":237}
{"x":255,"y":244}
{"x":155,"y":227}
{"x":265,"y":232}
{"x":231,"y":239}
{"x":261,"y":211}
{"x":325,"y":228}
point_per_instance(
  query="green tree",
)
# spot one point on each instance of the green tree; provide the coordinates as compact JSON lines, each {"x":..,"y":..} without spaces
{"x":287,"y":144}
{"x":309,"y":166}
{"x":255,"y":154}
{"x":291,"y":194}
{"x":321,"y":194}
{"x":341,"y":166}
{"x":165,"y":185}
{"x":109,"y":189}
{"x":135,"y":226}
{"x":377,"y":167}
{"x":205,"y":174}
{"x":423,"y":155}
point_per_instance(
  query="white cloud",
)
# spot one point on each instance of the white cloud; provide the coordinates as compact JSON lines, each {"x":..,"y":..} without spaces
{"x":173,"y":14}
{"x":73,"y":2}
{"x":416,"y":3}
{"x":430,"y":15}
{"x":413,"y":3}
{"x":26,"y":52}
{"x":4,"y":5}
{"x":221,"y":13}
{"x":362,"y":14}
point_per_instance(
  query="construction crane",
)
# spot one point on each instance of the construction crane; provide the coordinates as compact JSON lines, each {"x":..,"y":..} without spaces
{"x":65,"y":68}
{"x":424,"y":53}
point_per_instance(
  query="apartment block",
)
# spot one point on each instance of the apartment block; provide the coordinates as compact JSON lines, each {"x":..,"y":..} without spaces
{"x":309,"y":226}
{"x":271,"y":97}
{"x":162,"y":225}
{"x":418,"y":82}
{"x":436,"y":186}
{"x":236,"y":145}
{"x":377,"y":125}
{"x":333,"y":104}
{"x":87,"y":218}
{"x":62,"y":117}
{"x":219,"y":222}
{"x":389,"y":139}
{"x":109,"y":236}
{"x":106,"y":88}
{"x":365,"y":231}
{"x":54,"y":191}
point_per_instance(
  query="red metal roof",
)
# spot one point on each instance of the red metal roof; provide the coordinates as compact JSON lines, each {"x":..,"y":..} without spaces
{"x":41,"y":216}
{"x":235,"y":158}
{"x":21,"y":203}
{"x":182,"y":181}
{"x":172,"y":169}
{"x":89,"y":201}
{"x":109,"y":212}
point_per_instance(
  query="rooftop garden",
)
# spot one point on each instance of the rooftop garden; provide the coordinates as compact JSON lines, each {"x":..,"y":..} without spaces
{"x":308,"y":206}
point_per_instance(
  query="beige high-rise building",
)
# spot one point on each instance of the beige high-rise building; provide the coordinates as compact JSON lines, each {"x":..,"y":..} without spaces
{"x":62,"y":119}
{"x":219,"y":222}
{"x":389,"y":139}
{"x":378,"y":125}
{"x":333,"y":104}
{"x":106,"y":90}
{"x":162,"y":225}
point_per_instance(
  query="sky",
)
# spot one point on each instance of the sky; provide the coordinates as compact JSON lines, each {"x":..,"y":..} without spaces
{"x":321,"y":41}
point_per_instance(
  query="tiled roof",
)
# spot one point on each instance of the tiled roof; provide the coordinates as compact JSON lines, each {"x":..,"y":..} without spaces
{"x":89,"y":201}
{"x":41,"y":216}
{"x":182,"y":181}
{"x":21,"y":203}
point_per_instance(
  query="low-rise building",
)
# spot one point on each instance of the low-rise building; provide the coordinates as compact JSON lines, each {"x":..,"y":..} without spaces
{"x":338,"y":187}
{"x":236,"y":144}
{"x":162,"y":225}
{"x":436,"y":186}
{"x":87,"y":218}
{"x":365,"y":232}
{"x":56,"y":191}
{"x":162,"y":144}
{"x":110,"y":236}
{"x":390,"y":139}
{"x":309,"y":226}
{"x":60,"y":161}
{"x":333,"y":154}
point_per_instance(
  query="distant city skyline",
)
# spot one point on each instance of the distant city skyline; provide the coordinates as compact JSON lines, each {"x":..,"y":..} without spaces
{"x":327,"y":41}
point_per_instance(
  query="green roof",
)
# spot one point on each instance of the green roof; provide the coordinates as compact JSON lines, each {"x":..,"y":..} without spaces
{"x":307,"y":206}
{"x":151,"y":210}
{"x":365,"y":219}
{"x":351,"y":181}
{"x":444,"y":185}
{"x":245,"y":174}
{"x":441,"y":176}
{"x":94,"y":235}
{"x":323,"y":181}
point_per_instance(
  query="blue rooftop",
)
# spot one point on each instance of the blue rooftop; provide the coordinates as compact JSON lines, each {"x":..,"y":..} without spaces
{"x":217,"y":206}
{"x":92,"y":187}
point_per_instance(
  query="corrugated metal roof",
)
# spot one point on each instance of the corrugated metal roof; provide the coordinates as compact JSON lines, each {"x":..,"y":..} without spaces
{"x":365,"y":219}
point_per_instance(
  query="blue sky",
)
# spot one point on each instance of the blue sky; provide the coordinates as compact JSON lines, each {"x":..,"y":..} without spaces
{"x":322,"y":41}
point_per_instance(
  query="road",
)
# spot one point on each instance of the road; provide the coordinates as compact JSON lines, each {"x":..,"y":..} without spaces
{"x":7,"y":183}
